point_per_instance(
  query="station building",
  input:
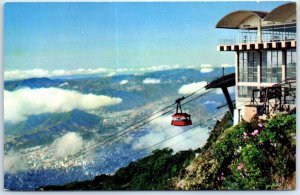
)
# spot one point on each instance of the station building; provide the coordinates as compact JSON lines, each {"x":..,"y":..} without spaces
{"x":265,"y":59}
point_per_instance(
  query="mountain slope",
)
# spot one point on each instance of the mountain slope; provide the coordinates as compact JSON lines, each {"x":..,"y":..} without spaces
{"x":44,"y":128}
{"x":249,"y":156}
{"x":31,"y":83}
{"x":145,"y":174}
{"x":234,"y":158}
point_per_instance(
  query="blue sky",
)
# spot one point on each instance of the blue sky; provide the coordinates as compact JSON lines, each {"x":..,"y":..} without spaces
{"x":69,"y":36}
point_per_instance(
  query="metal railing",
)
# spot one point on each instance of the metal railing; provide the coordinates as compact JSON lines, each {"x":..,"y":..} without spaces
{"x":282,"y":33}
{"x":269,"y":34}
{"x":228,"y":42}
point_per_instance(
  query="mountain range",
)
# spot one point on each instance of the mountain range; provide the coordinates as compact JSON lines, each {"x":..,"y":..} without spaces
{"x":139,"y":99}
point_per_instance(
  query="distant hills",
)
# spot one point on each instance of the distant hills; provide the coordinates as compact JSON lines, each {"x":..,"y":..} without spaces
{"x":139,"y":99}
{"x":31,"y":83}
{"x":44,"y":128}
{"x":189,"y":75}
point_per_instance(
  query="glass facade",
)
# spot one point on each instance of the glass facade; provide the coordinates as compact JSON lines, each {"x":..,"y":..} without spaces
{"x":271,"y":66}
{"x":291,"y":63}
{"x":242,"y":66}
{"x":246,"y":91}
{"x":247,"y":67}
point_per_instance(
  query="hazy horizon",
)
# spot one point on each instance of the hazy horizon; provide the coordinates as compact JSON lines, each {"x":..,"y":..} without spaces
{"x":115,"y":37}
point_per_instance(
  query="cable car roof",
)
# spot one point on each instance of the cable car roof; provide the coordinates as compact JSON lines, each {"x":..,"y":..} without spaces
{"x":181,"y":115}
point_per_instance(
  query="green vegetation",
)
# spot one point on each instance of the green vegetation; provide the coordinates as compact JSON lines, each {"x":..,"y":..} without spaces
{"x":150,"y":173}
{"x":249,"y":156}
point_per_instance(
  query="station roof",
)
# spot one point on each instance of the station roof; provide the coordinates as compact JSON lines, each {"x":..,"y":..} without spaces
{"x":285,"y":13}
{"x":247,"y":19}
{"x":234,"y":20}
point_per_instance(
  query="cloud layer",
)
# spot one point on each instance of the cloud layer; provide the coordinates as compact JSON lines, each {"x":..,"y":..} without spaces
{"x":24,"y":102}
{"x":68,"y":144}
{"x":192,"y":87}
{"x":13,"y":162}
{"x":227,"y":65}
{"x":23,"y":74}
{"x":64,"y":146}
{"x":206,"y":68}
{"x":123,"y":82}
{"x":151,"y":81}
{"x":161,"y":130}
{"x":211,"y":102}
{"x":160,"y":67}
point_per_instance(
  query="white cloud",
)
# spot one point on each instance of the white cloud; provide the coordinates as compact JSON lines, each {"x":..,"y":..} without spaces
{"x":21,"y":74}
{"x":151,"y":81}
{"x":205,"y":65}
{"x":13,"y":162}
{"x":39,"y":157}
{"x":67,"y":145}
{"x":161,"y":129}
{"x":123,"y":82}
{"x":211,"y":102}
{"x":24,"y":102}
{"x":57,"y":72}
{"x":192,"y":87}
{"x":64,"y":84}
{"x":111,"y":74}
{"x":227,"y":65}
{"x":94,"y":71}
{"x":128,"y":139}
{"x":24,"y":74}
{"x":161,"y":67}
{"x":37,"y":73}
{"x":206,"y":70}
{"x":191,"y":66}
{"x":122,"y":70}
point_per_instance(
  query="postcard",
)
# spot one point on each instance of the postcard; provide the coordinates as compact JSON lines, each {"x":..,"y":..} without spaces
{"x":129,"y":96}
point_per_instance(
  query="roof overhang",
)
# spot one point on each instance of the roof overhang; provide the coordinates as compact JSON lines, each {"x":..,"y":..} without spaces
{"x":241,"y":19}
{"x":285,"y":13}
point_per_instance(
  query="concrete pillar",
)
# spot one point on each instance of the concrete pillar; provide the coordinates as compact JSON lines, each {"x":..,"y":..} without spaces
{"x":236,"y":62}
{"x":259,"y":31}
{"x":239,"y":115}
{"x":258,"y":67}
{"x":248,"y":46}
{"x":283,"y":64}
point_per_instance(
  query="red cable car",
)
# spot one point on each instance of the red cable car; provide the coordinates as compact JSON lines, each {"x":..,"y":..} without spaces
{"x":180,"y":118}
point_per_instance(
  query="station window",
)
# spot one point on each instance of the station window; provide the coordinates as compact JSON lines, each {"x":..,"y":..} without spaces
{"x":271,"y":66}
{"x":248,"y":62}
{"x":246,"y":91}
{"x":291,"y":63}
